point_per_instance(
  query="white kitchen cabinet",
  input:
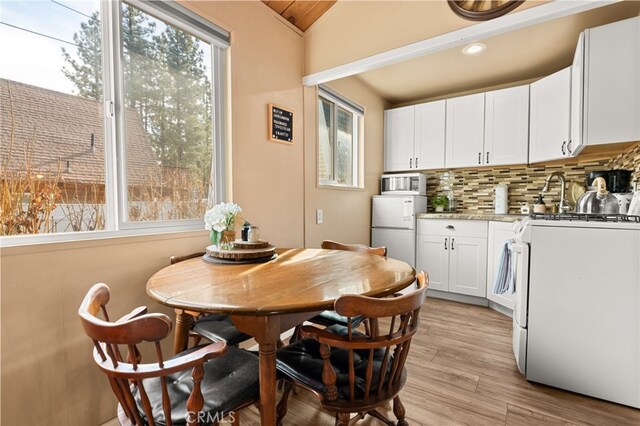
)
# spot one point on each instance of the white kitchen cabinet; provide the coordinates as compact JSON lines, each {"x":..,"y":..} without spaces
{"x":611,"y":99}
{"x":506,"y":126}
{"x":576,"y":140}
{"x":433,"y":257}
{"x":414,"y":137}
{"x":429,"y":135}
{"x":399,"y":126}
{"x":499,"y":233}
{"x":454,"y":254}
{"x":468,"y":266}
{"x":465,"y":131}
{"x":550,"y":117}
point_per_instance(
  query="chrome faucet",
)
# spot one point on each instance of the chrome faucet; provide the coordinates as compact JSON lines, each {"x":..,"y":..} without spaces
{"x":563,"y":207}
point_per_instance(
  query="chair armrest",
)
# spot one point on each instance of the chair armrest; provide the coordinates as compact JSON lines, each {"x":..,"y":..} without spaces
{"x":356,"y":342}
{"x":174,"y":365}
{"x":140,"y":310}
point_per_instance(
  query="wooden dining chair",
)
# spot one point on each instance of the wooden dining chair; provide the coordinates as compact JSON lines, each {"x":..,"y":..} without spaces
{"x":329,"y":318}
{"x":213,"y":327}
{"x":333,"y":245}
{"x":204,"y":385}
{"x":352,"y":372}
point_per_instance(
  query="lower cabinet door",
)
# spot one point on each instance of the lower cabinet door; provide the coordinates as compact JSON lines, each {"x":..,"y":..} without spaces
{"x":432,"y":256}
{"x":468,"y":266}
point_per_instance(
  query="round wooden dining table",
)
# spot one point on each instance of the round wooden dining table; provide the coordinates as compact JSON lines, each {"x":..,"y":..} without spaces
{"x":266,"y":299}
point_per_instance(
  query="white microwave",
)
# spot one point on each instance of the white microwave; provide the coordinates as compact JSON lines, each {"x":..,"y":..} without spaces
{"x":404,"y":184}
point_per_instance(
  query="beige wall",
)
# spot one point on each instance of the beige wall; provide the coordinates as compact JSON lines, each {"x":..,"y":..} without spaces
{"x":353,"y":30}
{"x":266,"y":67}
{"x":347,"y":213}
{"x":47,"y":372}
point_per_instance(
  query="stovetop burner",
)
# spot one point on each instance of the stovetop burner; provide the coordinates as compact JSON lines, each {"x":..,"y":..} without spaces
{"x":586,"y":217}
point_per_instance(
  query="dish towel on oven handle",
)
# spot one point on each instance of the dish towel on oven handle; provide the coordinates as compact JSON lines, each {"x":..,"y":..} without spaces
{"x":505,"y":281}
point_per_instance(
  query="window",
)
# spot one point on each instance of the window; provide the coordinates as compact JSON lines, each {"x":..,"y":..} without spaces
{"x":109,"y":141}
{"x":339,"y":140}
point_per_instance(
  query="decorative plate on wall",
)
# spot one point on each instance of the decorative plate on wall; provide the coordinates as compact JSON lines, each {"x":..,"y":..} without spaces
{"x":481,"y":10}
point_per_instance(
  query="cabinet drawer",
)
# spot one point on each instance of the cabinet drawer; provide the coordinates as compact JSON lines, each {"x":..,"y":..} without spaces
{"x":467,"y":228}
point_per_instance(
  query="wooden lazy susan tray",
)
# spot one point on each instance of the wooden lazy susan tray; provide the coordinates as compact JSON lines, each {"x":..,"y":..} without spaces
{"x":242,"y":252}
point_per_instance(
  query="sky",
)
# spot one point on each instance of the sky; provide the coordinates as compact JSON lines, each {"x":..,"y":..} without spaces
{"x":34,"y":58}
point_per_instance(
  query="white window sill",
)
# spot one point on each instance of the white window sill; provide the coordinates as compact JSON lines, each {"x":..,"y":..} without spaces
{"x":332,"y":185}
{"x":44,"y":242}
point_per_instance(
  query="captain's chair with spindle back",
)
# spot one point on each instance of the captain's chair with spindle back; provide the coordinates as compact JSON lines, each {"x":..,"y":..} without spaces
{"x":329,"y":318}
{"x":200,"y":385}
{"x":352,"y":372}
{"x":214,"y":327}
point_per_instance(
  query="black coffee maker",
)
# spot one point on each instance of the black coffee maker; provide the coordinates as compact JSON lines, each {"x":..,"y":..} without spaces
{"x":618,"y":181}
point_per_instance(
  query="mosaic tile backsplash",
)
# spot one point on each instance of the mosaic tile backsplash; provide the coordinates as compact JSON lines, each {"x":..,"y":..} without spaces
{"x":473,"y":188}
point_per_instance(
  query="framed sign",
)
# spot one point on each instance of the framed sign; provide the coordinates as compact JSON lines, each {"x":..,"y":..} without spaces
{"x":280,"y":124}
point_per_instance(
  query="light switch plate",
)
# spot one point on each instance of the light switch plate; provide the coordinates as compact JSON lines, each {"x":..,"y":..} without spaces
{"x":319,"y":216}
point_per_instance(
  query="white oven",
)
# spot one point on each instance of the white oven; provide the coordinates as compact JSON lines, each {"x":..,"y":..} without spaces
{"x":519,"y":338}
{"x":576,"y":318}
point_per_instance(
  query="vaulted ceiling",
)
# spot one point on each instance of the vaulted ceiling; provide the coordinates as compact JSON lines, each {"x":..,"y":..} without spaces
{"x":301,"y":13}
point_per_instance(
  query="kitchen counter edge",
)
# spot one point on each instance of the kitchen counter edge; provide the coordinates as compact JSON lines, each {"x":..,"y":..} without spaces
{"x":472,"y":216}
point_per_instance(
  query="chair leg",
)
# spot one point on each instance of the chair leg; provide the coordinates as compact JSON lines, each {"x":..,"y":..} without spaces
{"x":296,"y":334}
{"x":343,"y":419}
{"x":281,"y":409}
{"x":399,"y":411}
{"x":236,"y":419}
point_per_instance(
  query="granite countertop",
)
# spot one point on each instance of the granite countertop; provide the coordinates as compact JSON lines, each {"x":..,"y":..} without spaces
{"x":472,"y":216}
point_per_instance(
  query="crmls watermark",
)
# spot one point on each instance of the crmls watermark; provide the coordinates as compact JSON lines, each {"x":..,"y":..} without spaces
{"x":206,"y":418}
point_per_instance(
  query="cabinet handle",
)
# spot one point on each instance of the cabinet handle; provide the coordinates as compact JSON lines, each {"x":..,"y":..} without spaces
{"x":568,"y":146}
{"x":562,"y":148}
{"x":445,"y":244}
{"x":453,"y":241}
{"x":487,"y":157}
{"x":479,"y":158}
{"x":416,"y":162}
{"x":410,"y":160}
{"x":450,"y":227}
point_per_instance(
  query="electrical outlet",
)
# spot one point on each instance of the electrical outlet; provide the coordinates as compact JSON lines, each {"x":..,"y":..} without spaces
{"x":319,"y":216}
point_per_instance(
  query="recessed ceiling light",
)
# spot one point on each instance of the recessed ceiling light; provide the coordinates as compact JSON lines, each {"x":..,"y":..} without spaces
{"x":474,"y":48}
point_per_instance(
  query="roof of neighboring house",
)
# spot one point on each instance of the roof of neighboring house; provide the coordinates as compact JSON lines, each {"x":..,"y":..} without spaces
{"x":56,"y":128}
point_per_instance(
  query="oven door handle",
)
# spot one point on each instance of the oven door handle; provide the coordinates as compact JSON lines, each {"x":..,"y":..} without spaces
{"x":515,"y":247}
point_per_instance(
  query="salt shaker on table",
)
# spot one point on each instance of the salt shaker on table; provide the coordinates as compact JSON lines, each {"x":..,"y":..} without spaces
{"x":253,"y":234}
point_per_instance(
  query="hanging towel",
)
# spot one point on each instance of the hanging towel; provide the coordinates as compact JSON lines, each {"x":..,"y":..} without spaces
{"x":505,"y":277}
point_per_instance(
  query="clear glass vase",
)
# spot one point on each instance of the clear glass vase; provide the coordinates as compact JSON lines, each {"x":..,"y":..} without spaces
{"x":222,"y":239}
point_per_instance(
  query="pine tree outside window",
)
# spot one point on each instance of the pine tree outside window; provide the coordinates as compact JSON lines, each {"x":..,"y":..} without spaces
{"x":139,"y":85}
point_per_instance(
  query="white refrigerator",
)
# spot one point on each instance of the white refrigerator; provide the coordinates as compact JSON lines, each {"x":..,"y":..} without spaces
{"x":393,"y":224}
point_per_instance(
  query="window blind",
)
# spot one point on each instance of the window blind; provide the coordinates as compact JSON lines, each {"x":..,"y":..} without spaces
{"x":336,"y":97}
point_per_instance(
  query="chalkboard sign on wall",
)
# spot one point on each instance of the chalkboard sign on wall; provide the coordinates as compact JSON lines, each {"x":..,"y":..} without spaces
{"x":280,"y":124}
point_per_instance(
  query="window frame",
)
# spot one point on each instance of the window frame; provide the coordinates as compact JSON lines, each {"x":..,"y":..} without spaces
{"x":116,"y":203}
{"x":338,"y":101}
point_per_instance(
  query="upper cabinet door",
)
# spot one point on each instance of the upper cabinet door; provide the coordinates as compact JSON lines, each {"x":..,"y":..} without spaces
{"x":550,"y":117}
{"x":576,"y":142}
{"x":506,"y":126}
{"x":429,"y":135}
{"x":465,"y":131}
{"x":612,"y":83}
{"x":399,"y":126}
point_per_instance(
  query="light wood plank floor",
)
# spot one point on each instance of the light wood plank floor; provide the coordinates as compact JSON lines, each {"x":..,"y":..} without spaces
{"x":462,"y":371}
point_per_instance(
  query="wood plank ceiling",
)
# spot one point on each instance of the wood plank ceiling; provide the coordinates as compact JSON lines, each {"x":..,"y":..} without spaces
{"x":301,"y":13}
